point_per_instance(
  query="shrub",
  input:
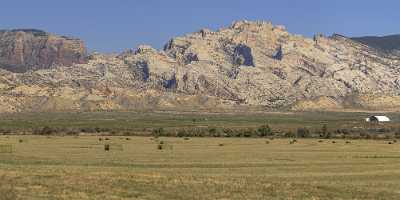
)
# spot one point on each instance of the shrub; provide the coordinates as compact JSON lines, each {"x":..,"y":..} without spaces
{"x":328,"y":135}
{"x":264,"y":131}
{"x":303,"y":133}
{"x":44,"y":131}
{"x":289,"y":134}
{"x":181,"y":133}
{"x":324,"y":129}
{"x":228,"y":132}
{"x":238,"y":133}
{"x":212,"y":131}
{"x":158,"y":132}
{"x":324,"y":132}
{"x":5,"y":131}
{"x":397,"y":134}
{"x":343,"y":131}
{"x":128,"y":133}
{"x":88,"y":130}
{"x":248,"y":132}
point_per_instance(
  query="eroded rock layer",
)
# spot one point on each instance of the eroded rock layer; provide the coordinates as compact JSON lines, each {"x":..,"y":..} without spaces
{"x":251,"y":64}
{"x":28,"y":49}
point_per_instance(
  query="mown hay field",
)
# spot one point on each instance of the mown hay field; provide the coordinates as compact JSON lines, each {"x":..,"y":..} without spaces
{"x":55,"y":167}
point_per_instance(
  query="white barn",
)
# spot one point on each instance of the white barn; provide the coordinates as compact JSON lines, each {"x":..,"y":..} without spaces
{"x":378,"y":119}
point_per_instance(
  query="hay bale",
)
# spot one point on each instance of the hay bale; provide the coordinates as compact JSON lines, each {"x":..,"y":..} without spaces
{"x":106,"y":147}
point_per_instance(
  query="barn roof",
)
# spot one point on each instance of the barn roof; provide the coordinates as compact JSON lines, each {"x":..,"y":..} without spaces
{"x":382,"y":118}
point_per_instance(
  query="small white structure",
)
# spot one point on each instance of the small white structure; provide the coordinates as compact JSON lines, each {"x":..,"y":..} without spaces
{"x":377,"y":119}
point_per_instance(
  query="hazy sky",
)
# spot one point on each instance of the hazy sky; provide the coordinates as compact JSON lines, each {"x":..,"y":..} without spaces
{"x":115,"y":25}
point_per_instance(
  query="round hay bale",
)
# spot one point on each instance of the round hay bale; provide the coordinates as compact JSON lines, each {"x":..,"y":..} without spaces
{"x":106,"y":147}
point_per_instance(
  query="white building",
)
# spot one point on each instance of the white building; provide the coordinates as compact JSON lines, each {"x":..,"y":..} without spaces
{"x":377,"y":119}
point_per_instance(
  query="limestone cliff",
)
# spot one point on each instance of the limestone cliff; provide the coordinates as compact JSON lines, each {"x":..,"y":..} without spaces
{"x":247,"y":65}
{"x":28,"y":49}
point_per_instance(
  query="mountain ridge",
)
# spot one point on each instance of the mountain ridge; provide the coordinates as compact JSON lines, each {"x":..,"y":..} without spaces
{"x":246,"y":65}
{"x":388,"y":43}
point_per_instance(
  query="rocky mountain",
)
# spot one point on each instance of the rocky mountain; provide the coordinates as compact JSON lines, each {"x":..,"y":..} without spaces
{"x":390,"y":43}
{"x":249,"y":65}
{"x":29,"y":49}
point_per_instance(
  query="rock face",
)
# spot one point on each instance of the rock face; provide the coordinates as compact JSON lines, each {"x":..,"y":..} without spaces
{"x":247,"y":65}
{"x":28,"y":49}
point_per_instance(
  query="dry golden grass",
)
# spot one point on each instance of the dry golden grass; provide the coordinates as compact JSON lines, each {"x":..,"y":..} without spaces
{"x":198,"y":168}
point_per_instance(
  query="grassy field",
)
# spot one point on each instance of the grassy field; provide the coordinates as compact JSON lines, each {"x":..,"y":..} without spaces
{"x":41,"y":167}
{"x":143,"y":123}
{"x":78,"y":167}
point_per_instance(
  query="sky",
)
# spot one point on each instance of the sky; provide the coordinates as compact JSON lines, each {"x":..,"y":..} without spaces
{"x":112,"y":26}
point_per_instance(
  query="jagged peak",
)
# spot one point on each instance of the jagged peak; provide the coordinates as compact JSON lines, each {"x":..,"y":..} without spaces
{"x":144,"y":48}
{"x":140,"y":50}
{"x":245,"y":24}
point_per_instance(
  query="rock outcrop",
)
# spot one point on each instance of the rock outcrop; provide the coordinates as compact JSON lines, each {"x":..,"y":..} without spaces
{"x":247,"y":65}
{"x":28,"y":49}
